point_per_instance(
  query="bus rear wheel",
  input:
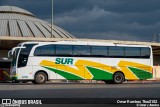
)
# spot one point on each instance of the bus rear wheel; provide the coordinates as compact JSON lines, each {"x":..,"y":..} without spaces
{"x":40,"y":78}
{"x":118,"y":78}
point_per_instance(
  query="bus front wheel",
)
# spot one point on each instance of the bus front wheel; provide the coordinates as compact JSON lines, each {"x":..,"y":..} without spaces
{"x":118,"y":78}
{"x":40,"y":78}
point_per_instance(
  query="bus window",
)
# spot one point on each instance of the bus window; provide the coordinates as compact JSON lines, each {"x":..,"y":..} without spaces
{"x":63,"y":50}
{"x":145,"y":52}
{"x":99,"y":51}
{"x":81,"y":51}
{"x":47,"y":50}
{"x":132,"y":52}
{"x":116,"y":52}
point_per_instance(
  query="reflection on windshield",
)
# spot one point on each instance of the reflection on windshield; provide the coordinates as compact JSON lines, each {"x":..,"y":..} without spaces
{"x":24,"y":54}
{"x":14,"y":57}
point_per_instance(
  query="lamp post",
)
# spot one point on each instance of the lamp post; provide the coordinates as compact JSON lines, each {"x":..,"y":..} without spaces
{"x":52,"y":21}
{"x":159,"y":38}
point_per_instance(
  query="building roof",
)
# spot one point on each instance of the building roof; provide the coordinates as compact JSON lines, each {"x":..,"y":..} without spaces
{"x":17,"y":22}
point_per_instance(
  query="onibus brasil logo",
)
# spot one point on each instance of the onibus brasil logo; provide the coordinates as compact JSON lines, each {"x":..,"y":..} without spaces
{"x":18,"y":103}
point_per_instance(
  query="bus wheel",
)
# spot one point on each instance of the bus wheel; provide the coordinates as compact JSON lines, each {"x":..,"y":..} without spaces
{"x":118,"y":78}
{"x":40,"y":78}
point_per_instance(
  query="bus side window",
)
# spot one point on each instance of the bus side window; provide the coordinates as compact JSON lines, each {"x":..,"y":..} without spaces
{"x":99,"y":51}
{"x":145,"y":52}
{"x":132,"y":52}
{"x":63,"y":50}
{"x":81,"y":51}
{"x":116,"y":52}
{"x":47,"y":50}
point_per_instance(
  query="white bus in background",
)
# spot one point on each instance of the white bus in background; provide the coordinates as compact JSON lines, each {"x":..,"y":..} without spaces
{"x":78,"y":60}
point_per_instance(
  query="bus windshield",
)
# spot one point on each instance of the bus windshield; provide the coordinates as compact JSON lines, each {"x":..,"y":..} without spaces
{"x":24,"y":54}
{"x":22,"y":57}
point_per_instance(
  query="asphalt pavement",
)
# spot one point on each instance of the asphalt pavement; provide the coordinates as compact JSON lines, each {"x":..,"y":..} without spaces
{"x":82,"y":94}
{"x":80,"y":90}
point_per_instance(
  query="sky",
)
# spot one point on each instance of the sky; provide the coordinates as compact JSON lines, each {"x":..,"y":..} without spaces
{"x":133,"y":20}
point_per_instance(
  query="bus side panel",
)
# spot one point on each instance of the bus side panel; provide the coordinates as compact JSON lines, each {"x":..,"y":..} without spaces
{"x":123,"y":65}
{"x":109,"y":67}
{"x":137,"y":69}
{"x":109,"y":75}
{"x":37,"y":67}
{"x":87,"y":67}
{"x":90,"y":68}
{"x":75,"y":72}
{"x":25,"y":73}
{"x":60,"y":71}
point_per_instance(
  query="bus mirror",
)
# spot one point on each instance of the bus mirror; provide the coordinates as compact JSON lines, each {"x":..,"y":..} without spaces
{"x":9,"y":53}
{"x":12,"y":52}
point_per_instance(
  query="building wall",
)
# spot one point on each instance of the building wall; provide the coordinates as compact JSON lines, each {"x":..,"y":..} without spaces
{"x":4,"y":53}
{"x":156,"y":60}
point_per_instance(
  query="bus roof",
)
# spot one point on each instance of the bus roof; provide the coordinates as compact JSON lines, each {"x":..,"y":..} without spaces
{"x":84,"y":43}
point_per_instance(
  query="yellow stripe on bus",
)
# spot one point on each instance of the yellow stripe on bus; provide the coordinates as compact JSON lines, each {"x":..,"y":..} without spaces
{"x":130,"y":75}
{"x":80,"y":68}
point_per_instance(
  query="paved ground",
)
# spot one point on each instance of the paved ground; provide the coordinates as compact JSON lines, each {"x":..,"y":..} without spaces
{"x":81,"y":90}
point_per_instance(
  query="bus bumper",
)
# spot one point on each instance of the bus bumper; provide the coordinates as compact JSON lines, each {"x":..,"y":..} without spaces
{"x":14,"y":78}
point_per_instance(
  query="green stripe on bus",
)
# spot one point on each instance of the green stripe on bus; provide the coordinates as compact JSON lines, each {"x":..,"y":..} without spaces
{"x":141,"y":74}
{"x":100,"y":74}
{"x":66,"y":75}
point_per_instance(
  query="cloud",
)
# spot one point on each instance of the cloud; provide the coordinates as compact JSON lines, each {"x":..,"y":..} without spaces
{"x":90,"y":21}
{"x":81,"y":15}
{"x":110,"y":35}
{"x":100,"y":19}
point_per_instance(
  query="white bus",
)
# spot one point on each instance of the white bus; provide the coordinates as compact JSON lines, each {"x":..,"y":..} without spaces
{"x":78,"y":60}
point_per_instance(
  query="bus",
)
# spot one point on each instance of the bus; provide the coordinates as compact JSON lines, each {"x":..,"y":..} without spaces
{"x":81,"y":60}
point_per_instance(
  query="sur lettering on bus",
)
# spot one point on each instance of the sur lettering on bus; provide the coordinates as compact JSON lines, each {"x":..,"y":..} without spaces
{"x":64,"y":61}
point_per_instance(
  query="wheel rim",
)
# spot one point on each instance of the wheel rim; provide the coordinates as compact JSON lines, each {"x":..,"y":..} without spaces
{"x":40,"y":78}
{"x":119,"y":78}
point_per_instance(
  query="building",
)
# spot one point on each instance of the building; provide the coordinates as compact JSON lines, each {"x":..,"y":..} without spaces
{"x":17,"y":25}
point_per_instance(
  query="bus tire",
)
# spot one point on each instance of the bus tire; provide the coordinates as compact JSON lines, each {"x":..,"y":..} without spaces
{"x":40,"y":78}
{"x":118,"y":78}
